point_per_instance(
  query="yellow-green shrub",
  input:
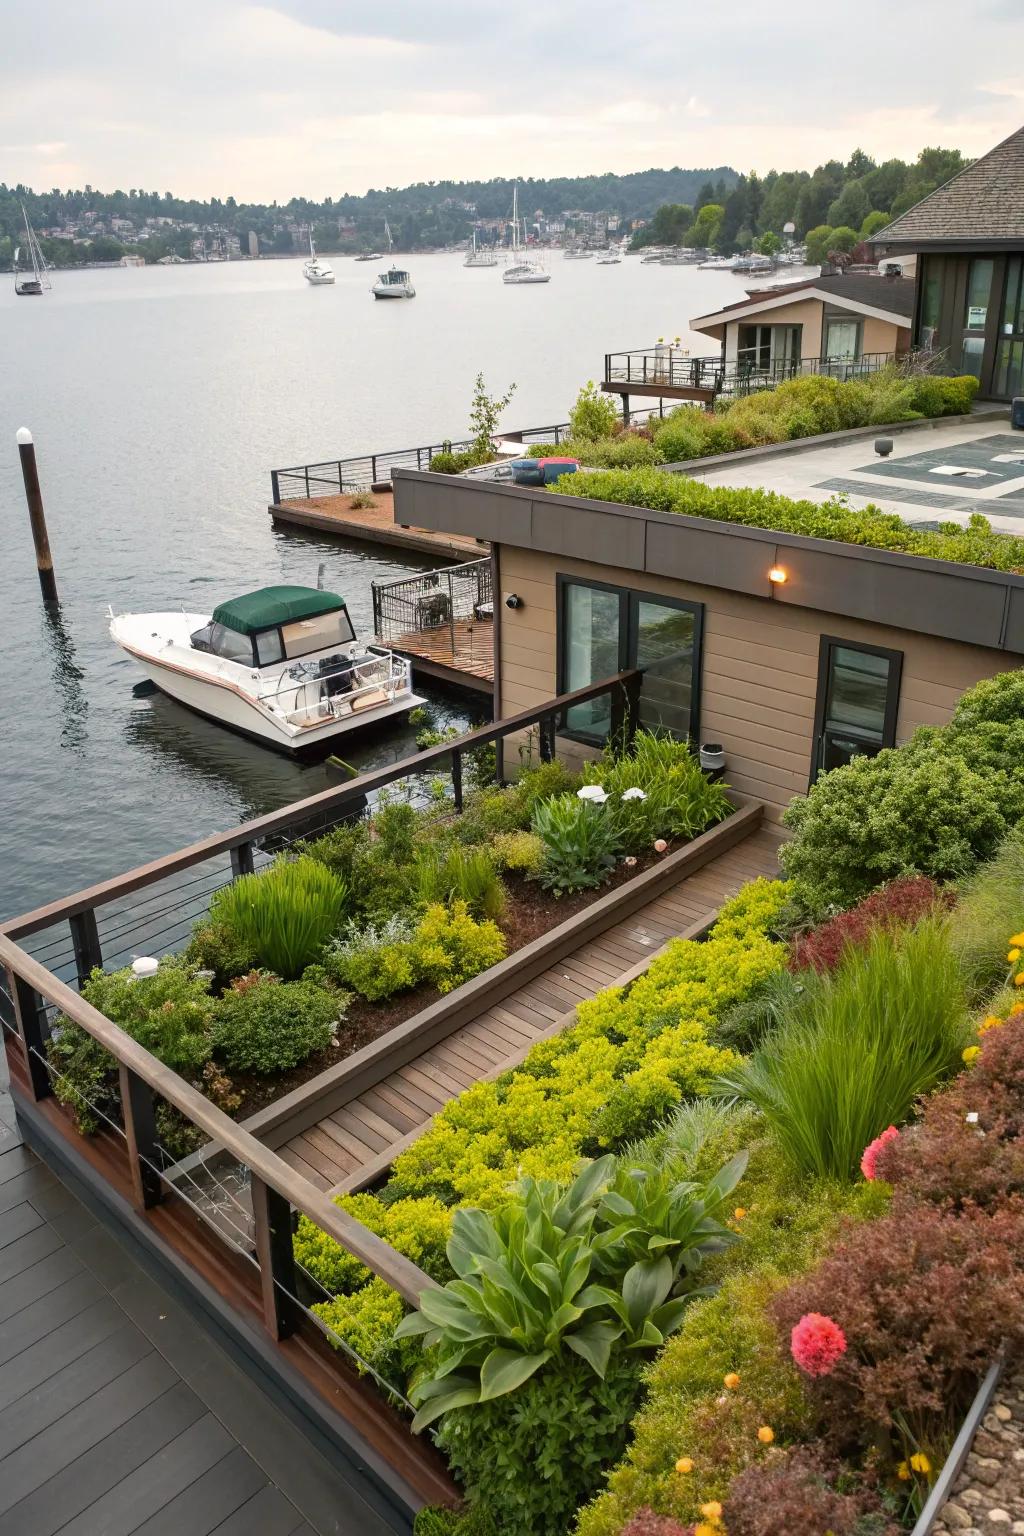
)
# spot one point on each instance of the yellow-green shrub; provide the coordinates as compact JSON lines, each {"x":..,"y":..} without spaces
{"x":417,"y":1228}
{"x":366,"y":1321}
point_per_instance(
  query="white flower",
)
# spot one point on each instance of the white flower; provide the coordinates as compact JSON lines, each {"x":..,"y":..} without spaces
{"x":594,"y":793}
{"x":633,"y":794}
{"x":972,"y":1118}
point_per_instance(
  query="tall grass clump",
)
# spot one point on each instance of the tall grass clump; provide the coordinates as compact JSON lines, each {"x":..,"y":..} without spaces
{"x":989,"y":911}
{"x":284,"y":916}
{"x":859,"y":1048}
{"x":460,"y":874}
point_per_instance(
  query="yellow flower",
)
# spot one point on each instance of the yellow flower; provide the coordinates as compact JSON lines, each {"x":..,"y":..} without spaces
{"x":704,"y":1529}
{"x":903,"y":1472}
{"x":739,"y":1212}
{"x":684,"y":1464}
{"x":712,"y":1510}
{"x":1017,"y":1008}
{"x":920,"y":1463}
{"x":1018,"y":980}
{"x":971,"y":1053}
{"x":731,"y":1381}
{"x":994,"y":1021}
{"x":1013,"y":956}
{"x":1017,"y":940}
{"x":766,"y":1434}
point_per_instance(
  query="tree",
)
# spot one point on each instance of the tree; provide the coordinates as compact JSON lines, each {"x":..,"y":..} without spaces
{"x":852,"y":206}
{"x":818,"y":194}
{"x":858,"y":165}
{"x":768,"y":244}
{"x":735,"y":217}
{"x":704,"y":231}
{"x":705,"y":195}
{"x":843,"y":240}
{"x":484,"y":416}
{"x":818,"y":242}
{"x":670,"y":224}
{"x":874,"y":222}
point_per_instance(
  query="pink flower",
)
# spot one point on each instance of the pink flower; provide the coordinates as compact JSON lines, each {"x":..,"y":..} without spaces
{"x":660,"y":845}
{"x":870,"y":1159}
{"x":816,"y":1343}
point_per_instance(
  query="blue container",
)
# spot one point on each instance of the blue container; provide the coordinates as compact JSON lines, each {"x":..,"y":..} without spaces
{"x":527,"y":472}
{"x":553,"y":469}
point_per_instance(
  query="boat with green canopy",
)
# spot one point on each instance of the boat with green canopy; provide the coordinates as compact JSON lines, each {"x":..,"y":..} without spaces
{"x":281,"y":664}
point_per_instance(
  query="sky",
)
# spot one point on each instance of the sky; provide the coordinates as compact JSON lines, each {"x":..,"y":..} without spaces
{"x":316,"y":98}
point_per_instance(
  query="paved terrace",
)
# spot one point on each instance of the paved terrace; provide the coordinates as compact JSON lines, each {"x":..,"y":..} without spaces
{"x":936,"y":472}
{"x":118,"y":1414}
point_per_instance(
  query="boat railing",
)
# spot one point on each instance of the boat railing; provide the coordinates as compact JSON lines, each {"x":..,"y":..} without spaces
{"x":309,"y":693}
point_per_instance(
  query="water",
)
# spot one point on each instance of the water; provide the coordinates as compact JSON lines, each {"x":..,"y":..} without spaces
{"x":160,"y":398}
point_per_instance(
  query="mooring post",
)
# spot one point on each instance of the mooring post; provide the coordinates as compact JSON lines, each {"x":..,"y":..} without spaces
{"x":34,"y":497}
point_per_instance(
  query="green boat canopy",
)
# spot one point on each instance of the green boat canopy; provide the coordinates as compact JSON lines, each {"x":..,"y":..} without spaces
{"x":271,"y":606}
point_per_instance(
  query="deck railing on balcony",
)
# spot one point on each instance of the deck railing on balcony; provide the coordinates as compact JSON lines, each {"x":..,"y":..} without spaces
{"x":669,"y":367}
{"x":435,"y":600}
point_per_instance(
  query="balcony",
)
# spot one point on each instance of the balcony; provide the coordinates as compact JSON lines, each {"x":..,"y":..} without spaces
{"x":669,"y":372}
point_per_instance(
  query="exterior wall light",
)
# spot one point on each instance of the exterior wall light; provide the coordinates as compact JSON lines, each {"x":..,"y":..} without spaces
{"x":514,"y":601}
{"x":777,"y":575}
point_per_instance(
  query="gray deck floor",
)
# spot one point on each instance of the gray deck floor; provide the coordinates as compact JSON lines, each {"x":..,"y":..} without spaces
{"x":118,"y":1413}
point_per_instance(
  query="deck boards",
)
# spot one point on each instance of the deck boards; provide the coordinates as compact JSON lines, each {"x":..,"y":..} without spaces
{"x":119,"y":1416}
{"x":374,"y":525}
{"x":364,"y":1135}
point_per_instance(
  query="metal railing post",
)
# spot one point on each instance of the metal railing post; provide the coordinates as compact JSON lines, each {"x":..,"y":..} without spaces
{"x":306,"y":473}
{"x":457,"y":779}
{"x":30,"y":1017}
{"x":242,"y":860}
{"x":139,"y":1113}
{"x":272,"y":1216}
{"x":86,"y":940}
{"x":275,"y":487}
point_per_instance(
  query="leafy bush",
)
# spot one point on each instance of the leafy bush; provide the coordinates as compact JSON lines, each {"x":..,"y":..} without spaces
{"x":263,"y":1024}
{"x":663,"y":491}
{"x":627,"y":451}
{"x":646,"y":1523}
{"x":376,"y":960}
{"x":452,"y":948}
{"x":461,"y":874}
{"x":690,"y":432}
{"x":366,"y":1322}
{"x":362,"y":500}
{"x":801,"y":1487}
{"x":862,"y":1045}
{"x":899,"y":904}
{"x":216,"y":947}
{"x":676,"y":801}
{"x":595,"y":414}
{"x":518,"y":853}
{"x":418,"y":1228}
{"x":910,"y":810}
{"x":761,"y":1013}
{"x":580,"y":843}
{"x":446,"y":947}
{"x":989,"y":910}
{"x":286,"y":915}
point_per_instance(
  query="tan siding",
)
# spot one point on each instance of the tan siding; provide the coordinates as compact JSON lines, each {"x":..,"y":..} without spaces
{"x":760,"y":667}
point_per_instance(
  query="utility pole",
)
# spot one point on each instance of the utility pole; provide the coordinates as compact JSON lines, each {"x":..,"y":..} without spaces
{"x":37,"y":517}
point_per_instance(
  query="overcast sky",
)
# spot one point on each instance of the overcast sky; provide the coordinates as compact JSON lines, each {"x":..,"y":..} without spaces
{"x":320,"y":97}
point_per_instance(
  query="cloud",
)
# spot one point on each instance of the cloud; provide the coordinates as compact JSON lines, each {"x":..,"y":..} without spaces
{"x":320,"y":97}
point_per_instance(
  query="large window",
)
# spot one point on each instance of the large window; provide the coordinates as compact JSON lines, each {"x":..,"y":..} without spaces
{"x":842,"y":339}
{"x":1009,"y":379}
{"x":931,"y":303}
{"x":858,"y":700}
{"x":603,"y":630}
{"x":767,"y":347}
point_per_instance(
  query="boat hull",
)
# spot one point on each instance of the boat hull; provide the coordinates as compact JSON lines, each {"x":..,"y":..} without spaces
{"x":29,"y":290}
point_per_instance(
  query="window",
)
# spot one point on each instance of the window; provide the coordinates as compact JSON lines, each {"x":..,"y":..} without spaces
{"x":858,"y":698}
{"x":319,"y":634}
{"x":603,"y":630}
{"x":979,"y":287}
{"x":768,"y":347}
{"x":269,"y":647}
{"x":931,"y":302}
{"x":1009,"y":376}
{"x":230,"y":645}
{"x":842,"y":340}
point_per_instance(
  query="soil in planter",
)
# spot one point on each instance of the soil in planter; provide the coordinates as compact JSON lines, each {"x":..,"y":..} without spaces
{"x":530,"y":912}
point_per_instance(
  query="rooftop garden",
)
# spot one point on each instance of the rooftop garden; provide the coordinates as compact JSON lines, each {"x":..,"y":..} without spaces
{"x":733,"y":1252}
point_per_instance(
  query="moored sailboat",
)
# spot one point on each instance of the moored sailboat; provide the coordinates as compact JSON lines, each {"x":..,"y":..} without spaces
{"x":39,"y":282}
{"x":522,"y":270}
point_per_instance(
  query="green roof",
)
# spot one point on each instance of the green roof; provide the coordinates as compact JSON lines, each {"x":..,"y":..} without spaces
{"x":271,"y":606}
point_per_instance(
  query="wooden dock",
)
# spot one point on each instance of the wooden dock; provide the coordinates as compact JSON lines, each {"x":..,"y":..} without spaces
{"x":371,"y":525}
{"x":354,"y":1145}
{"x":462,"y":653}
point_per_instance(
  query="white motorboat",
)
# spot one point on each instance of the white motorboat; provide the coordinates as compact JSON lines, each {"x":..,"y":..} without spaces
{"x":368,"y":256}
{"x":25,"y":286}
{"x":316,"y":270}
{"x":395,"y":283}
{"x":609,"y":258}
{"x":716,"y":264}
{"x":281,"y":665}
{"x":577,"y":253}
{"x":522,"y":270}
{"x":478,"y":258}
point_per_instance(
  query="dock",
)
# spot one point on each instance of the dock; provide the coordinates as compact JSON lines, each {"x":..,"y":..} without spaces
{"x":442,"y":621}
{"x":371,"y":525}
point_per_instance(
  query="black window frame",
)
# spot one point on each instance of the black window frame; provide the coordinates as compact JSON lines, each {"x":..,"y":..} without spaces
{"x":629,"y":601}
{"x":892,"y":700}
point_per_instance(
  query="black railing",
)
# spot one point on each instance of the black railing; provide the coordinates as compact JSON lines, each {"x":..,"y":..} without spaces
{"x":669,"y":367}
{"x":435,"y":600}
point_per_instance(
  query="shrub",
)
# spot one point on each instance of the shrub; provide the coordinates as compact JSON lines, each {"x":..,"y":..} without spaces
{"x":580,"y":843}
{"x":418,"y":1228}
{"x":803,"y":1489}
{"x":361,"y":500}
{"x":266,"y":1025}
{"x":905,"y":811}
{"x":627,"y":451}
{"x":461,"y":874}
{"x":376,"y":960}
{"x":452,"y":948}
{"x":366,"y":1323}
{"x":448,"y":463}
{"x":445,"y":948}
{"x":595,"y":414}
{"x":216,"y":947}
{"x":886,"y":1026}
{"x":758,"y":1015}
{"x":646,"y":1523}
{"x":676,"y":802}
{"x":286,"y":914}
{"x":896,"y":905}
{"x":518,"y":853}
{"x":990,"y":909}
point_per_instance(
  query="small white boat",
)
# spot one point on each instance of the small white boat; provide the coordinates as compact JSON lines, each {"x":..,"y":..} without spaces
{"x":478,"y":258}
{"x":522,"y":270}
{"x":316,"y":270}
{"x":609,"y":258}
{"x":368,"y":256}
{"x":577,"y":253}
{"x":281,"y":665}
{"x":25,"y":286}
{"x":716,"y":264}
{"x":395,"y":283}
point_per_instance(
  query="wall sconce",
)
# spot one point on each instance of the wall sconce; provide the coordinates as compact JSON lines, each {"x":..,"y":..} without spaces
{"x":514,"y":601}
{"x":777,"y":575}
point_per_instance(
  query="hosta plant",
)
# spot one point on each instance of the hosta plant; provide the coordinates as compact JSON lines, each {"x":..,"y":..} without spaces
{"x":604,"y":1264}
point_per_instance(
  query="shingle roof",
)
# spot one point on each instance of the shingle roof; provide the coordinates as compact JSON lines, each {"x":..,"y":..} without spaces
{"x":985,"y":202}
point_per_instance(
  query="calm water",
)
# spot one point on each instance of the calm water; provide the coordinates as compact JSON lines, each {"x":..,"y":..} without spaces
{"x":160,"y":398}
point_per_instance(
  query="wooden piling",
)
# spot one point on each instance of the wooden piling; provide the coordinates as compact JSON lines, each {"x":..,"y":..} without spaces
{"x":37,"y":517}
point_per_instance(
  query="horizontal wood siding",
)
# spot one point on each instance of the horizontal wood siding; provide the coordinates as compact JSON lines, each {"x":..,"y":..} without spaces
{"x":760,"y":667}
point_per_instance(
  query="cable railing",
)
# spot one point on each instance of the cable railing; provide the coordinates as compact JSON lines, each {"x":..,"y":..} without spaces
{"x":670,"y":367}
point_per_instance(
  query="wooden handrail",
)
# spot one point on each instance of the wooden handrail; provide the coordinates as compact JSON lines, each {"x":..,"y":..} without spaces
{"x":399,"y":1272}
{"x":299,"y":811}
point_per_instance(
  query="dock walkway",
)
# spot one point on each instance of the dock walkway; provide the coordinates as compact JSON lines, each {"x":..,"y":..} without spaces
{"x":373,"y":525}
{"x":118,"y":1413}
{"x":351,"y":1147}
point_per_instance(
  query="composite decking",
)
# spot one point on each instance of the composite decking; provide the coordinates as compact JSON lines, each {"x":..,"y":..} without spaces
{"x":353,"y":1145}
{"x":461,"y":653}
{"x":371,"y":525}
{"x":119,"y":1415}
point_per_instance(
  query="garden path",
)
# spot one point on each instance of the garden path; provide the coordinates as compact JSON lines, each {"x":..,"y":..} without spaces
{"x":350,"y":1148}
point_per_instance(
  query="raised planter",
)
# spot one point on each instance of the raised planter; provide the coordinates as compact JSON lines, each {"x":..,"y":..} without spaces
{"x":325,"y":1094}
{"x":942,"y":1488}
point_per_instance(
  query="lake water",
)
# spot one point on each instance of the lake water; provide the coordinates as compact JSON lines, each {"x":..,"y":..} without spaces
{"x":160,"y":398}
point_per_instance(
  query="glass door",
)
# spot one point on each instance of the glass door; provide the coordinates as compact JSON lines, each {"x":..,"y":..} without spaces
{"x":590,"y":642}
{"x":975,"y":315}
{"x":858,"y":699}
{"x":665,"y":641}
{"x":1009,"y":375}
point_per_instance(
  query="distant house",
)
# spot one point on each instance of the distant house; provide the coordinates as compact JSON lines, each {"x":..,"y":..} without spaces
{"x":969,"y":239}
{"x":842,"y":319}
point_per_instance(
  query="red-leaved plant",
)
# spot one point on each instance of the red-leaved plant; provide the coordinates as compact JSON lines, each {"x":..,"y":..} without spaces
{"x":646,"y":1523}
{"x":796,"y":1491}
{"x":896,"y":905}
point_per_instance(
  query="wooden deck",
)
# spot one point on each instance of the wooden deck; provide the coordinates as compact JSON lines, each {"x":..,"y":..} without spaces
{"x":469,"y":662}
{"x":371,"y":525}
{"x":351,"y":1147}
{"x":118,"y":1413}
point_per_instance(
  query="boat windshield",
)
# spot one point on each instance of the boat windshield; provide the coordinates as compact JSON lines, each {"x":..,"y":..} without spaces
{"x":394,"y":276}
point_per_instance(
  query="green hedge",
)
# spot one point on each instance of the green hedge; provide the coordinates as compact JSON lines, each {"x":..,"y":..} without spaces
{"x":661,"y":491}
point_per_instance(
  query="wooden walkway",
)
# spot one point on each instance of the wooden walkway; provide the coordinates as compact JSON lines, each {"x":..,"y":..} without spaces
{"x":372,"y":525}
{"x":354,"y":1145}
{"x":118,"y":1413}
{"x":468,"y":662}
